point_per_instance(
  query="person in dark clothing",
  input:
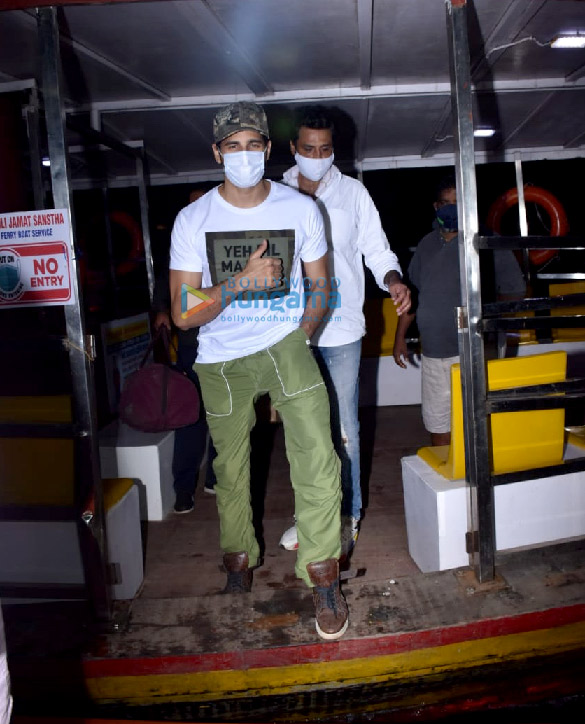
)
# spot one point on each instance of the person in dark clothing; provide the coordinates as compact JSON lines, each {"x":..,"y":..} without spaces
{"x":190,"y":441}
{"x":434,"y":271}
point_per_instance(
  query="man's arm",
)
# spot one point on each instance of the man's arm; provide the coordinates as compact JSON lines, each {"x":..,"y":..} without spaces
{"x":260,"y":273}
{"x":161,"y":302}
{"x":379,"y":257}
{"x":316,"y":307}
{"x":399,"y":292}
{"x":400,"y":351}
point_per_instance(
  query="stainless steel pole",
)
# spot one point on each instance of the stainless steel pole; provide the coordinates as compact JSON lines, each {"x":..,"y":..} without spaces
{"x":87,"y":470}
{"x":141,"y":175}
{"x":522,"y":217}
{"x":481,"y":541}
{"x":34,"y":146}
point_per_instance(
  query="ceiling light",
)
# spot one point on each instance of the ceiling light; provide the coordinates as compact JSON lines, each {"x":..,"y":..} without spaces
{"x":574,"y":39}
{"x":484,"y":132}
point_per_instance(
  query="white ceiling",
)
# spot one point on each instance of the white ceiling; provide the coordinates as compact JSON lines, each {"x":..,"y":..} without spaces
{"x":155,"y":72}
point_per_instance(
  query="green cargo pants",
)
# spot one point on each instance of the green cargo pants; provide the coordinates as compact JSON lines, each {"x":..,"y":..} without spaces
{"x":289,"y":373}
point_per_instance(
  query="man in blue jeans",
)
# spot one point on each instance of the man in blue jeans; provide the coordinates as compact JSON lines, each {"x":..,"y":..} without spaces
{"x":190,"y":441}
{"x":354,"y":231}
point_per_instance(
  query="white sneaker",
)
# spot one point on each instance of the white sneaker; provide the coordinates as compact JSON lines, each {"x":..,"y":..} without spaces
{"x":354,"y":527}
{"x":289,"y":540}
{"x":350,"y":529}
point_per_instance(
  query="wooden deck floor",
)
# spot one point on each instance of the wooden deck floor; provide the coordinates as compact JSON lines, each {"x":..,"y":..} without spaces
{"x":419,"y":645}
{"x":182,"y":553}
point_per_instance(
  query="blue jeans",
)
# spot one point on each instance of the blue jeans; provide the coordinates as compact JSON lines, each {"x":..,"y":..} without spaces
{"x":340,"y":369}
{"x":190,"y":441}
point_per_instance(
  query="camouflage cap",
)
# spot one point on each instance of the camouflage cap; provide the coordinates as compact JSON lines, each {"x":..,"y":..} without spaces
{"x":242,"y":116}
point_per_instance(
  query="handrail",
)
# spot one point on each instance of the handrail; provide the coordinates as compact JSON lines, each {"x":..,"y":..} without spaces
{"x":531,"y":242}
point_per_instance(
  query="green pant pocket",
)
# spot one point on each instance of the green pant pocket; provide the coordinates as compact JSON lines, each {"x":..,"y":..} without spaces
{"x":294,"y":364}
{"x":215,"y":388}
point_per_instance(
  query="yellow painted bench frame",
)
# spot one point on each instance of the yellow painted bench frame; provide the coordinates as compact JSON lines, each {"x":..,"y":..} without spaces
{"x":520,"y":440}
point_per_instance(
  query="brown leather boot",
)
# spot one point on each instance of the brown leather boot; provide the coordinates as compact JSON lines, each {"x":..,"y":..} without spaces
{"x":331,"y":614}
{"x":239,"y":576}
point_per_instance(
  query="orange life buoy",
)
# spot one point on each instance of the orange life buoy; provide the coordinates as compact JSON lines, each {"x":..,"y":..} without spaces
{"x":94,"y":276}
{"x":535,"y":194}
{"x":136,"y":253}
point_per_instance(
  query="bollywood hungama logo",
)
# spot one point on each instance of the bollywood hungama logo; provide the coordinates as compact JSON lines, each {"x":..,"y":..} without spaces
{"x":253,"y":296}
{"x":193,"y":300}
{"x":297,"y":294}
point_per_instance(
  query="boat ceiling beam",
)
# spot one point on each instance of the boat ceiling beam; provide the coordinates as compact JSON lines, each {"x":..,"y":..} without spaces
{"x":206,"y":23}
{"x":365,"y":9}
{"x":102,"y":61}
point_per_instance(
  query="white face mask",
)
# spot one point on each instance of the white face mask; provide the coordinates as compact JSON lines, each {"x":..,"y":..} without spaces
{"x":314,"y":168}
{"x":244,"y":168}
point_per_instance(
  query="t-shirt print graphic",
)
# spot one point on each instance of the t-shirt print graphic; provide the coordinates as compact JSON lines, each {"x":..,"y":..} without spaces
{"x":228,"y":253}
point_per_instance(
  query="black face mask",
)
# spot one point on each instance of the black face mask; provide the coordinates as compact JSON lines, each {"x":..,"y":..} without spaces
{"x":447,"y":217}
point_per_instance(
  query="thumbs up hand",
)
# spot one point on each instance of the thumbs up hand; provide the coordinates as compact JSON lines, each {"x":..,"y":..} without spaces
{"x":262,"y":272}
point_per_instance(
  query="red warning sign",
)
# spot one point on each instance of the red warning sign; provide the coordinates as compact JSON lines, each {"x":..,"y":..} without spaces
{"x":35,"y":273}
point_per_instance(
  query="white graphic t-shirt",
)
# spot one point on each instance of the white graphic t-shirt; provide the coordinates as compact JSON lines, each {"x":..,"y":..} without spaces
{"x":213,"y":237}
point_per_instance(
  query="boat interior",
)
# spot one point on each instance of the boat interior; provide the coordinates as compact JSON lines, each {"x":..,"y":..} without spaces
{"x":108,"y":109}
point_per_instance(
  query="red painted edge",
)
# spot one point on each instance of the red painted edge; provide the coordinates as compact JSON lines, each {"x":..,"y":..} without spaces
{"x":24,"y":4}
{"x":337,"y":650}
{"x":78,"y":720}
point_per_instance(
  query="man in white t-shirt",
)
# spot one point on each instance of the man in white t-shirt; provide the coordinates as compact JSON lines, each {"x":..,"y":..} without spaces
{"x":242,"y":257}
{"x":354,"y":234}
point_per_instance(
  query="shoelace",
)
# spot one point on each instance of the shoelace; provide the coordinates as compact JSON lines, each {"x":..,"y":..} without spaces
{"x":235,"y":581}
{"x":328,"y":596}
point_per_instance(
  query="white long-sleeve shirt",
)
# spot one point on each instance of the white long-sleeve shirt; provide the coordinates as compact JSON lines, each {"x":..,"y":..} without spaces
{"x":353,"y":230}
{"x":5,"y":698}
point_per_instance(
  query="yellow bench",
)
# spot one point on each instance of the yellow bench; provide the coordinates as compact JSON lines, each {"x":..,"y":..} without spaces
{"x":520,"y":440}
{"x":557,"y":290}
{"x":40,"y":472}
{"x":381,"y":322}
{"x":36,"y":471}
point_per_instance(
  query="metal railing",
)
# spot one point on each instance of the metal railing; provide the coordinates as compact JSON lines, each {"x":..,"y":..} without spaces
{"x":475,"y":319}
